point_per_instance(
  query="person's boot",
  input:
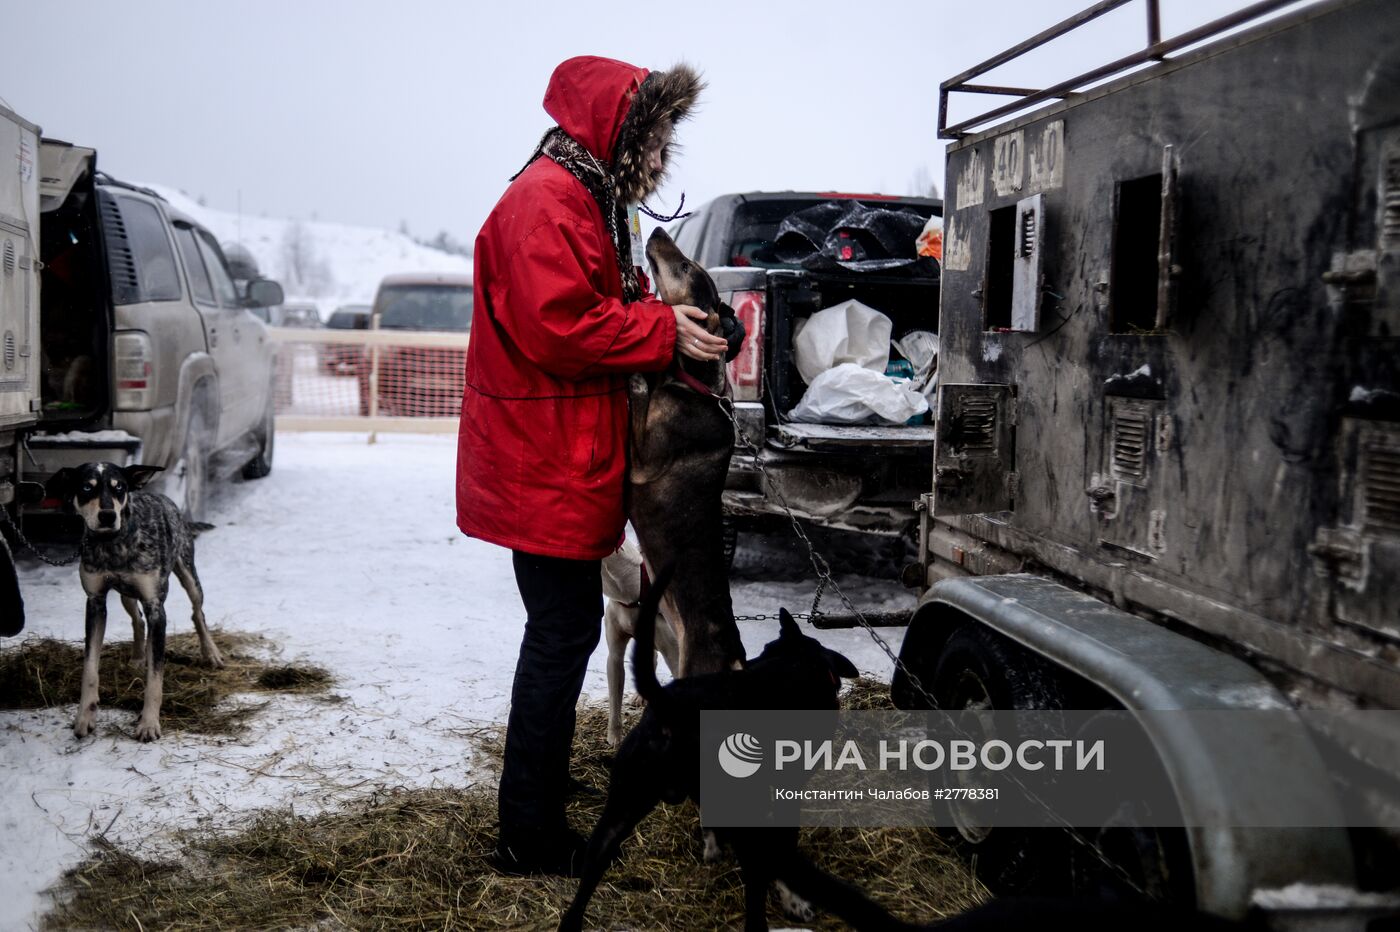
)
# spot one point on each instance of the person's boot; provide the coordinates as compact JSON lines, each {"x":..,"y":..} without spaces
{"x":524,"y":853}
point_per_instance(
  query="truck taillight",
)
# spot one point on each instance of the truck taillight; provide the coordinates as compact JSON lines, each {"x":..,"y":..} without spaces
{"x":131,"y":369}
{"x":746,"y":370}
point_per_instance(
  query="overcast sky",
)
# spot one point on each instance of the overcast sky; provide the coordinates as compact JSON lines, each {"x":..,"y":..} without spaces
{"x":416,"y":112}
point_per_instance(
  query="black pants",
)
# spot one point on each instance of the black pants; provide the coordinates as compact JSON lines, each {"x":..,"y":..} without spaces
{"x":564,"y":608}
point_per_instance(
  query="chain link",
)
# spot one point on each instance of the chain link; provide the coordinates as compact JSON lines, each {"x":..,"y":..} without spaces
{"x":26,"y":544}
{"x":800,"y":616}
{"x":824,"y":579}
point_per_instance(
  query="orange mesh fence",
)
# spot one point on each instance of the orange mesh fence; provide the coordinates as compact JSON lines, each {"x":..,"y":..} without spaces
{"x":375,"y":380}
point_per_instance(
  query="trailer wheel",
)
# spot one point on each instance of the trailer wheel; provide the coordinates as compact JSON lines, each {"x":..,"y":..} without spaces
{"x":976,"y":670}
{"x":1132,"y":854}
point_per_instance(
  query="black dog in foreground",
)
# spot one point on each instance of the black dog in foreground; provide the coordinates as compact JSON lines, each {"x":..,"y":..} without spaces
{"x":659,"y":760}
{"x":132,"y":542}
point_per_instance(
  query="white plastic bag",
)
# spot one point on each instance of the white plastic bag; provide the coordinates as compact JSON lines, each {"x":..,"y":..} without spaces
{"x":852,"y":394}
{"x":849,"y":332}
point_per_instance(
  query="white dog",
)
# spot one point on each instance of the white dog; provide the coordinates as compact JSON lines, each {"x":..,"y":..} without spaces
{"x":622,"y":585}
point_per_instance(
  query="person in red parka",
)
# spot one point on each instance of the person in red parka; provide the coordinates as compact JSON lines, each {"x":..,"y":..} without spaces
{"x":562,"y":317}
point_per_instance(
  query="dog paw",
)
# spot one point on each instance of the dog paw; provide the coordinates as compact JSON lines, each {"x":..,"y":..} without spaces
{"x":793,"y":906}
{"x":614,"y":736}
{"x":215,"y":660}
{"x":148,"y":729}
{"x":84,"y":723}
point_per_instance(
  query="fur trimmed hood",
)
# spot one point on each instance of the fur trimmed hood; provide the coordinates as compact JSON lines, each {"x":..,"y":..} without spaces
{"x":613,"y":109}
{"x":665,"y":97}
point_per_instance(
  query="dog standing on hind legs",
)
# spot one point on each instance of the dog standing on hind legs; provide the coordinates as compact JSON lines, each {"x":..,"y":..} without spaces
{"x":681,"y":441}
{"x":132,"y":542}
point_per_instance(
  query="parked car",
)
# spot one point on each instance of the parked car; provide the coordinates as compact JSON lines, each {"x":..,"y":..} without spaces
{"x":418,"y":380}
{"x":301,"y":314}
{"x":147,"y":350}
{"x":345,"y":358}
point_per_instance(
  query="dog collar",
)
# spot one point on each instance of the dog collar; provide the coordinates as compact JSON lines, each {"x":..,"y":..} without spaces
{"x":692,"y":381}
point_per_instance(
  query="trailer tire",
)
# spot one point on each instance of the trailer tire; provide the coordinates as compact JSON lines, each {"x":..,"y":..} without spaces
{"x":1148,"y":857}
{"x":978,"y":669}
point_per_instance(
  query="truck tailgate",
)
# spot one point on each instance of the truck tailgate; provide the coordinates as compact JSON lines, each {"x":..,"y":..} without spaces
{"x":831,"y":436}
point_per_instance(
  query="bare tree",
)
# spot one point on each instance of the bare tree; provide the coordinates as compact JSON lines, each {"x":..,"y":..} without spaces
{"x":303,"y":269}
{"x":921,"y":184}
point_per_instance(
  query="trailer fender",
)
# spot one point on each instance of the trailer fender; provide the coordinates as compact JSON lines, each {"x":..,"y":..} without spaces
{"x":1145,"y":666}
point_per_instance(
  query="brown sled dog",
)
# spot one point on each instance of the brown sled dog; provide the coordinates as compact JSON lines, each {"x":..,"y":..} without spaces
{"x":681,"y":441}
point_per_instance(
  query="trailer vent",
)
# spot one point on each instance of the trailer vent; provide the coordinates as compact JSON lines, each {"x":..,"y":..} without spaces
{"x":1027,"y":244}
{"x":1380,"y":481}
{"x":979,"y":423}
{"x":9,"y":257}
{"x":1130,"y":437}
{"x":10,"y":349}
{"x":1390,"y":219}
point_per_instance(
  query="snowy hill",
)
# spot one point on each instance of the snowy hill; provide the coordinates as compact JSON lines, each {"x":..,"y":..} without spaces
{"x":328,"y":263}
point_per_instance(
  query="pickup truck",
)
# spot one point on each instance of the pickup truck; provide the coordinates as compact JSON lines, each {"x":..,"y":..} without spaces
{"x":862,"y":478}
{"x":131,"y":341}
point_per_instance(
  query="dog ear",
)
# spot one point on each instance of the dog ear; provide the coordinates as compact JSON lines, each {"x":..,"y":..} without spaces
{"x":138,"y":476}
{"x":62,"y":485}
{"x":787,"y":625}
{"x":840,"y":665}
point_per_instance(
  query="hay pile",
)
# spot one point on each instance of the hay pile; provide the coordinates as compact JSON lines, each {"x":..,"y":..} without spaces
{"x":41,"y":673}
{"x":414,"y":859}
{"x":868,"y":694}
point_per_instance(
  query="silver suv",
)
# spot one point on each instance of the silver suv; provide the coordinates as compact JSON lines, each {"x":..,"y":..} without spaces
{"x":150,"y":351}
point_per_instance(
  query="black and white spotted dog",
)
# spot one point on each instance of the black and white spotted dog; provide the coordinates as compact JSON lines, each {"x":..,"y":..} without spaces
{"x":132,"y":541}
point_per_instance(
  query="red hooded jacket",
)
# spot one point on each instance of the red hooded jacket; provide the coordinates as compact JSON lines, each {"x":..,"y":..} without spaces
{"x":542,"y":446}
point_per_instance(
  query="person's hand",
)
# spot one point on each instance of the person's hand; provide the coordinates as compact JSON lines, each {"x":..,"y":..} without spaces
{"x":694,"y":340}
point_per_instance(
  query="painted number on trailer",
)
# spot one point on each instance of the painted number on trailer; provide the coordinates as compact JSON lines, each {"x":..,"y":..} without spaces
{"x":1045,"y":160}
{"x":972,"y":181}
{"x":1008,"y":163}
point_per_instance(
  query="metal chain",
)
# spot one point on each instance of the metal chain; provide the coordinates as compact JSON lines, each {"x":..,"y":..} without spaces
{"x":824,"y":579}
{"x":819,"y":563}
{"x":26,"y":544}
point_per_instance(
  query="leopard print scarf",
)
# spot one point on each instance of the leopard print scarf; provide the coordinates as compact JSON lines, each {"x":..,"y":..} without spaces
{"x":579,"y":162}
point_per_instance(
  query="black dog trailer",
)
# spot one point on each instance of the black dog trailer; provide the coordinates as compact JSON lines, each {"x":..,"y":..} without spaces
{"x":1167,"y":464}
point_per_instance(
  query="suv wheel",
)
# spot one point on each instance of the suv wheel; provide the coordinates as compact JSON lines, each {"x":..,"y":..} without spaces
{"x":187,"y":482}
{"x":266,"y":435}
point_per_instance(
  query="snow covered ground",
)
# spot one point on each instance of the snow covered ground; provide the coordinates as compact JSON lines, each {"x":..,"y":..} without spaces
{"x":348,"y":557}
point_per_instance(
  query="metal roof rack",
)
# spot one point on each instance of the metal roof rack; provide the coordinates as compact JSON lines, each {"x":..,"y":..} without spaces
{"x":1156,"y":50}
